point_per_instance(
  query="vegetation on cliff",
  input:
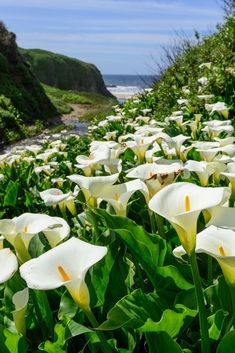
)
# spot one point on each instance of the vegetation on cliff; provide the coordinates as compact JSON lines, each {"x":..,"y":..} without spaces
{"x":66,"y":73}
{"x":22,"y":98}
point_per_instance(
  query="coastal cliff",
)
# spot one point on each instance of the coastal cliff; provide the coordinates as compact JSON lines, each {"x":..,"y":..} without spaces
{"x":66,"y":73}
{"x":23,"y":100}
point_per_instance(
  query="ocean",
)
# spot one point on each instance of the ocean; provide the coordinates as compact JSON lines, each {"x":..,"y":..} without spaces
{"x":125,"y":86}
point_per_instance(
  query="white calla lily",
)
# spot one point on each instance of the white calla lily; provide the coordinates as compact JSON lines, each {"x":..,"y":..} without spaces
{"x":156,"y":176}
{"x":178,"y":142}
{"x":181,"y":205}
{"x":202,"y":169}
{"x":20,"y":300}
{"x":92,"y":187}
{"x":64,"y":265}
{"x":230,"y":175}
{"x":119,"y":195}
{"x":223,"y":217}
{"x":8,"y":264}
{"x":140,"y":145}
{"x":54,"y":196}
{"x":220,"y":244}
{"x":20,"y":230}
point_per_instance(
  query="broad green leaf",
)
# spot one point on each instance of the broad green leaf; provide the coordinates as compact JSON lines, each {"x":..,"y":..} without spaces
{"x":218,"y":296}
{"x":68,"y":307}
{"x":103,"y":270}
{"x":149,"y":250}
{"x":14,"y":343}
{"x":133,"y":310}
{"x":73,"y":329}
{"x":10,"y":198}
{"x":217,"y":322}
{"x":227,"y":343}
{"x":171,"y":322}
{"x":63,"y":332}
{"x":43,"y":310}
{"x":161,"y":342}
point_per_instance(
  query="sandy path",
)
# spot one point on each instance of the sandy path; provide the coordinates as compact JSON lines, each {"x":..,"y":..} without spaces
{"x":78,"y":111}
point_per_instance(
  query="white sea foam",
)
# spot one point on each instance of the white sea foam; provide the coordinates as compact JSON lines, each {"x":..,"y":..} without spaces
{"x":125,"y":91}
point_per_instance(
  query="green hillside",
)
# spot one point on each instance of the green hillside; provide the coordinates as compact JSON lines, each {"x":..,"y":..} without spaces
{"x":23,"y":101}
{"x":65,"y":73}
{"x":212,"y":57}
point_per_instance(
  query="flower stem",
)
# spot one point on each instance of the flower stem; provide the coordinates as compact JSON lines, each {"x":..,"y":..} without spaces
{"x":205,"y":344}
{"x":160,"y":226}
{"x":232,"y":314}
{"x":104,"y":344}
{"x":39,"y":315}
{"x":152,"y":222}
{"x":232,"y":291}
{"x":209,"y":270}
{"x":231,"y":202}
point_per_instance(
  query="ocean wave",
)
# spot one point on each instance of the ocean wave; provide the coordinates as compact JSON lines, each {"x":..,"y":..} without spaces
{"x":126,"y":90}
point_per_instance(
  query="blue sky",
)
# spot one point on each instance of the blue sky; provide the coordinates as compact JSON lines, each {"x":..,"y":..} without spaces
{"x":119,"y":36}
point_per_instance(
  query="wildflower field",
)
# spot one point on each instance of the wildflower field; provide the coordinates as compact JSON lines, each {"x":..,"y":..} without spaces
{"x":124,"y":240}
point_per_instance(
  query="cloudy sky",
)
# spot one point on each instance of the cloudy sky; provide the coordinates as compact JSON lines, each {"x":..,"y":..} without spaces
{"x":119,"y":36}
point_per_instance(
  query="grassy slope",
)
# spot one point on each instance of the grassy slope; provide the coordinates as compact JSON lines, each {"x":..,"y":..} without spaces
{"x":94,"y":104}
{"x":63,"y":72}
{"x":219,"y":49}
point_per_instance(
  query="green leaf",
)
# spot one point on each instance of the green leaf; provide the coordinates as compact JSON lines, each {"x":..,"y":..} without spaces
{"x":133,"y":310}
{"x":68,"y":307}
{"x":10,"y":198}
{"x":11,"y":342}
{"x":73,"y":329}
{"x":171,"y":322}
{"x":103,"y":270}
{"x":217,"y":323}
{"x":218,"y":296}
{"x":63,"y":332}
{"x":227,"y":344}
{"x":149,"y":250}
{"x":162,"y":342}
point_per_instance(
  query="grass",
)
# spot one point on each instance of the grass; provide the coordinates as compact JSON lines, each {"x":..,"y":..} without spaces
{"x":94,"y":104}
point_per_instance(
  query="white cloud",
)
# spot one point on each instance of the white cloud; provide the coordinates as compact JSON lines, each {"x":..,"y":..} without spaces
{"x":146,"y":6}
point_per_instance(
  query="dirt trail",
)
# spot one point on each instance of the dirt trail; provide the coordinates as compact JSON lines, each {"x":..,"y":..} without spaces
{"x":78,"y":111}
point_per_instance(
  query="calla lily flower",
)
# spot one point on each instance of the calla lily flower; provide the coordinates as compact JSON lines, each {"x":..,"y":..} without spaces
{"x":203,"y":81}
{"x":156,"y":176}
{"x":202,"y":169}
{"x":53,"y":197}
{"x":140,"y":145}
{"x":65,"y":265}
{"x":20,"y":230}
{"x":219,"y":107}
{"x":119,"y":195}
{"x":230,"y":175}
{"x":225,"y":141}
{"x":92,"y":187}
{"x":178,"y":142}
{"x":46,"y":155}
{"x":91,"y":163}
{"x":44,"y":168}
{"x":35,"y":149}
{"x":20,"y":300}
{"x":8,"y":264}
{"x":220,"y":244}
{"x":181,"y":205}
{"x":223,"y":217}
{"x":208,"y":155}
